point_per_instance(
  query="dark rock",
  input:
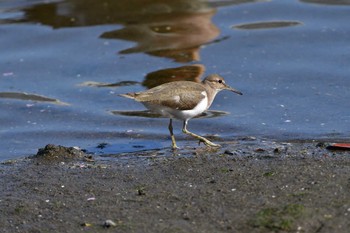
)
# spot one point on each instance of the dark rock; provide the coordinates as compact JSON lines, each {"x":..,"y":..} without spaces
{"x":53,"y":152}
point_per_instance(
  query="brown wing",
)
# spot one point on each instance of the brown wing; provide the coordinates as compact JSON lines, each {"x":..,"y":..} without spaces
{"x":184,"y":101}
{"x":182,"y":95}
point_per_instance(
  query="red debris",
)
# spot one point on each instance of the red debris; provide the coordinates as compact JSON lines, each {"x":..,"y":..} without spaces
{"x":339,"y":146}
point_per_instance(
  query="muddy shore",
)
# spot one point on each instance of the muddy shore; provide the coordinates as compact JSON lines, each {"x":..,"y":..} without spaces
{"x":246,"y":186}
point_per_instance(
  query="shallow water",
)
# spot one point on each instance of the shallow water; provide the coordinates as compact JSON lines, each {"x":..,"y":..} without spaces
{"x":63,"y":63}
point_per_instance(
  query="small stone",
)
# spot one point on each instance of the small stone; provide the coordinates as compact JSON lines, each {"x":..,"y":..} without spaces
{"x":277,"y":150}
{"x":321,"y":145}
{"x":228,"y":152}
{"x":249,"y":138}
{"x":259,"y":150}
{"x":89,"y":158}
{"x":185,"y":216}
{"x":109,"y":223}
{"x":85,"y":224}
{"x":141,"y":191}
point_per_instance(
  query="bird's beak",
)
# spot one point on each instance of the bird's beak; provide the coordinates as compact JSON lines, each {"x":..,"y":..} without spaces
{"x":233,"y":90}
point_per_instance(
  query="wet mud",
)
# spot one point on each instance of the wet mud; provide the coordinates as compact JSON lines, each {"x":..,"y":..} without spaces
{"x":246,"y":186}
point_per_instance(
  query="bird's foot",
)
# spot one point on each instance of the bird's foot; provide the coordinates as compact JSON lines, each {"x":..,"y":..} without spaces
{"x":174,"y":146}
{"x":208,"y":143}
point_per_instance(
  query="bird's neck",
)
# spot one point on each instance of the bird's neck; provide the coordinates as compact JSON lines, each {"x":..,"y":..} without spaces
{"x":211,"y":93}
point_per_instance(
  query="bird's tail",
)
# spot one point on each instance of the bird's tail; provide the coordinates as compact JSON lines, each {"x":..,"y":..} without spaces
{"x":131,"y":95}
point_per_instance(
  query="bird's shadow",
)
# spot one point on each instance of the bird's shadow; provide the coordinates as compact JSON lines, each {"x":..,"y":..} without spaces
{"x":150,"y":114}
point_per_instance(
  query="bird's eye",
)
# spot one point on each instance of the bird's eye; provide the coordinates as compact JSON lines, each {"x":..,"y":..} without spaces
{"x":220,"y":81}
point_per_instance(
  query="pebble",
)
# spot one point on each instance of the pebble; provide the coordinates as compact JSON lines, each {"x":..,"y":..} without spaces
{"x":109,"y":223}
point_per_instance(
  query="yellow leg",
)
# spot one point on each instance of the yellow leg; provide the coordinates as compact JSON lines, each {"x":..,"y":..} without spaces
{"x":173,"y":142}
{"x":200,"y":138}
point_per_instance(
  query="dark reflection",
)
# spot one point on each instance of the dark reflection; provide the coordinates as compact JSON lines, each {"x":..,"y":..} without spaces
{"x":77,"y":13}
{"x":99,"y":84}
{"x":328,"y":2}
{"x":267,"y":25}
{"x":183,"y":73}
{"x":167,"y":28}
{"x":30,"y":97}
{"x":173,"y":31}
{"x":149,"y":114}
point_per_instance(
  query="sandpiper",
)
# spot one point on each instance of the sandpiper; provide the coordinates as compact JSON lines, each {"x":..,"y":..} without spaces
{"x":182,"y":100}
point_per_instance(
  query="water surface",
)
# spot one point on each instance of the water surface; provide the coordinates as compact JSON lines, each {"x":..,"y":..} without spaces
{"x":63,"y":63}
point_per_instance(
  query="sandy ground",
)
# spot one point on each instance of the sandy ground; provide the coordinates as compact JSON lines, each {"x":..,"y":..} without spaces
{"x":246,"y":186}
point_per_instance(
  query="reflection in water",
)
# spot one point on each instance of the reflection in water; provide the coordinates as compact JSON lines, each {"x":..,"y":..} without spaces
{"x":78,"y":13}
{"x":149,"y":114}
{"x":99,"y":84}
{"x":267,"y":25}
{"x":173,"y":32}
{"x":167,"y":28}
{"x":183,"y":73}
{"x":328,"y":2}
{"x":30,"y":97}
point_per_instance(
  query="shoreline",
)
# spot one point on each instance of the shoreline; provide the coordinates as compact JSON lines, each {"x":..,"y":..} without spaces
{"x":246,"y":186}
